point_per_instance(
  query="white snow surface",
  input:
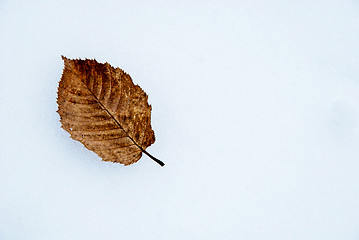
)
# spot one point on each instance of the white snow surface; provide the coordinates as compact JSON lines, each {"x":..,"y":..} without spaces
{"x":255,"y":111}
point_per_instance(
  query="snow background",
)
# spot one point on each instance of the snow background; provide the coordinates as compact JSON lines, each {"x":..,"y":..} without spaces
{"x":255,"y":111}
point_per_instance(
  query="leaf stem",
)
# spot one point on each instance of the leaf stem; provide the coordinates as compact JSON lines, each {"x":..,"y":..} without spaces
{"x":152,"y":157}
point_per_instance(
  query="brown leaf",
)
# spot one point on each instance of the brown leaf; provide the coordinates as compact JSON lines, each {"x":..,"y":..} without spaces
{"x":101,"y":107}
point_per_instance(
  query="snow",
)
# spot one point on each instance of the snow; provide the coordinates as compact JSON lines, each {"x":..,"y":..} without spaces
{"x":255,"y":111}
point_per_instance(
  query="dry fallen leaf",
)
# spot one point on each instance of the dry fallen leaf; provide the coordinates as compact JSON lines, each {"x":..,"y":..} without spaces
{"x":101,"y":107}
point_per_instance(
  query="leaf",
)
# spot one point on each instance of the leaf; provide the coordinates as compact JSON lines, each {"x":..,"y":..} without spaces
{"x":101,"y":107}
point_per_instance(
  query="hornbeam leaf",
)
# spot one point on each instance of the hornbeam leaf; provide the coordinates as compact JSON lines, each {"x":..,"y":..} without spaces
{"x":101,"y":107}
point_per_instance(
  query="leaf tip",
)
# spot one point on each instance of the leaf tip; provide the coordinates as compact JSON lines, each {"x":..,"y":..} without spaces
{"x":67,"y":62}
